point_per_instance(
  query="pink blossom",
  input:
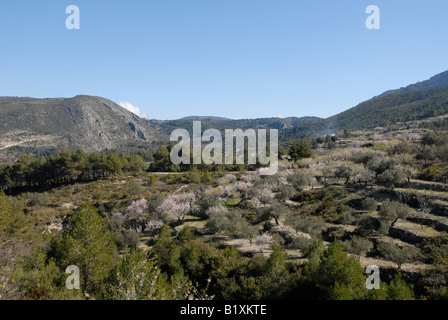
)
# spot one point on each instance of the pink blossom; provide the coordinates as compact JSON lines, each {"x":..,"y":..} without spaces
{"x":136,"y":210}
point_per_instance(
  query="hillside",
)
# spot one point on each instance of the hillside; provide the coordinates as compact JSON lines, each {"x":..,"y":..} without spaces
{"x":438,"y":81}
{"x":381,"y":111}
{"x":35,"y":126}
{"x":222,"y":123}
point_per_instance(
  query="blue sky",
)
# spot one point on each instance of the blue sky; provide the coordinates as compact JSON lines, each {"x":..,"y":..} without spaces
{"x":230,"y":58}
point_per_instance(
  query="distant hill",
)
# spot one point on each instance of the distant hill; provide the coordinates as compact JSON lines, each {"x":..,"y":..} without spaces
{"x":401,"y":105}
{"x":223,"y":123}
{"x":42,"y":126}
{"x":438,"y":81}
{"x":203,"y":118}
{"x":35,"y":126}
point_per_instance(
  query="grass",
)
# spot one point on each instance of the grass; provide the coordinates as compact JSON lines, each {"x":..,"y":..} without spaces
{"x":231,"y":203}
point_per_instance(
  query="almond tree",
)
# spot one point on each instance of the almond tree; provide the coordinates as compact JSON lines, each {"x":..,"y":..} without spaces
{"x":263,"y":241}
{"x":177,"y":206}
{"x":424,"y":209}
{"x":135,"y":213}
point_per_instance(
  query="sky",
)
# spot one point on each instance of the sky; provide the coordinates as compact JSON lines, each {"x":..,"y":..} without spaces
{"x":167,"y":59}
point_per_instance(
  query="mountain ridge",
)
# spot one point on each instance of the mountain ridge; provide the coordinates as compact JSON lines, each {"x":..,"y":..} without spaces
{"x":435,"y":82}
{"x":82,"y":122}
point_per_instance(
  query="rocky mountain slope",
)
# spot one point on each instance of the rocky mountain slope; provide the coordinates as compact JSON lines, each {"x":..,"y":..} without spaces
{"x":29,"y":125}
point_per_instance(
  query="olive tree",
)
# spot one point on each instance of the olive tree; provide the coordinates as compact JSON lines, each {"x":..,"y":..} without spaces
{"x":398,"y":255}
{"x":358,"y":246}
{"x":391,"y":211}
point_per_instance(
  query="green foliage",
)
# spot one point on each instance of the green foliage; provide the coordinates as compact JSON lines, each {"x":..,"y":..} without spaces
{"x":369,"y":204}
{"x":437,"y":249}
{"x":299,"y":179}
{"x":391,"y":211}
{"x":312,"y":226}
{"x":276,"y":277}
{"x":67,"y":167}
{"x":41,"y":279}
{"x":87,"y":243}
{"x":391,"y":178}
{"x":285,"y":192}
{"x":398,"y":289}
{"x":139,"y":278}
{"x":399,"y":255}
{"x":232,"y":223}
{"x":335,"y":274}
{"x":358,"y":246}
{"x":300,"y":149}
{"x":275,"y":211}
{"x":344,"y":171}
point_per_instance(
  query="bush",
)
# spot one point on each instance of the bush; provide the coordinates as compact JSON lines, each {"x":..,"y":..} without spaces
{"x":301,"y":243}
{"x":299,"y":179}
{"x":285,"y":192}
{"x":131,"y":239}
{"x":369,"y":204}
{"x":300,"y":149}
{"x":38,"y":199}
{"x":133,"y":188}
{"x":391,"y":178}
{"x":358,"y":246}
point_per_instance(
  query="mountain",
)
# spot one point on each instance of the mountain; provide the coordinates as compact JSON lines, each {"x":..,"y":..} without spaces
{"x":41,"y":126}
{"x":223,"y":123}
{"x":202,"y":118}
{"x":36,"y":126}
{"x":393,"y":106}
{"x":438,"y":81}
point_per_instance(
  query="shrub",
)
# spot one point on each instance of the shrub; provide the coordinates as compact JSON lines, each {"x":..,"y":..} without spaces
{"x":369,"y":204}
{"x":358,"y":246}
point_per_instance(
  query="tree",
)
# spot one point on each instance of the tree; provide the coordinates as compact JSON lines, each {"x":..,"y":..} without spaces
{"x":398,"y":255}
{"x":299,"y":179}
{"x":391,"y":211}
{"x":17,"y":242}
{"x":162,"y":161}
{"x":334,"y":272}
{"x":276,"y":278}
{"x":285,"y":192}
{"x":166,"y":252}
{"x":398,"y":289}
{"x":369,"y":204}
{"x":275,"y":211}
{"x":263,"y":241}
{"x":139,"y":278}
{"x":177,"y":206}
{"x":87,"y":243}
{"x":344,"y":171}
{"x":135,"y":213}
{"x":390,"y":178}
{"x":300,"y":149}
{"x":358,"y":246}
{"x":313,"y":227}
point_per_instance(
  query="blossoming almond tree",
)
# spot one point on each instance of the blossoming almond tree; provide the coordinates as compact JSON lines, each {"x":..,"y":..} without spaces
{"x":263,"y":241}
{"x":177,"y":206}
